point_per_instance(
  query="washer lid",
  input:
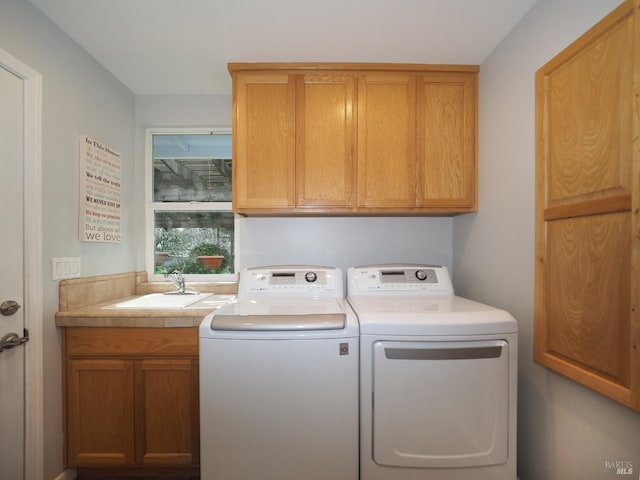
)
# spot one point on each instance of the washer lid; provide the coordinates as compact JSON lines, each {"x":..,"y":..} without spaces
{"x":280,"y":314}
{"x":279,"y":322}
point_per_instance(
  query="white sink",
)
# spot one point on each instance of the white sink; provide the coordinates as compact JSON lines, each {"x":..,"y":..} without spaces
{"x":160,"y":300}
{"x":212,"y":302}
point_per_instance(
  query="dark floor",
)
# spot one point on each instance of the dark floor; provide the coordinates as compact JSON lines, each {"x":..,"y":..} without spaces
{"x":131,"y":474}
{"x":137,"y":478}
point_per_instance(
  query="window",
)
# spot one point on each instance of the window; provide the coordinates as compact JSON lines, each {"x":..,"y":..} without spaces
{"x":188,"y":192}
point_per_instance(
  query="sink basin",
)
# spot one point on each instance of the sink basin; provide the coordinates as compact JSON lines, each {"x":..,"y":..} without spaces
{"x":214,"y":301}
{"x":160,"y":300}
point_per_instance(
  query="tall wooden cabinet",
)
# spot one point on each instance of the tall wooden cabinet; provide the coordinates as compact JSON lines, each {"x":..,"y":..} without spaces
{"x":132,"y":398}
{"x":354,"y":138}
{"x":587,"y":310}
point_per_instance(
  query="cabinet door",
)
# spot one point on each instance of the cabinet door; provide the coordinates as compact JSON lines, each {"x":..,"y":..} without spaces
{"x":386,"y":140}
{"x":167,"y":419}
{"x":446,"y":140}
{"x":263,"y":141}
{"x":587,"y":275}
{"x":100,"y":413}
{"x":325,"y":140}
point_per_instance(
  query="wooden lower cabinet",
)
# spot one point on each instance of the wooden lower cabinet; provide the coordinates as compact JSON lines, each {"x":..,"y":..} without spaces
{"x":167,"y":412}
{"x":100,"y":425}
{"x":129,"y":403}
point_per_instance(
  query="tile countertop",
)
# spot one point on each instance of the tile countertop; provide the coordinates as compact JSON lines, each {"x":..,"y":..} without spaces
{"x":96,"y":316}
{"x":81,"y":302}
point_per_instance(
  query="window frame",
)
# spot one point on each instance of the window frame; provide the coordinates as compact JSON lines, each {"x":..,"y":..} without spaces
{"x":152,"y":207}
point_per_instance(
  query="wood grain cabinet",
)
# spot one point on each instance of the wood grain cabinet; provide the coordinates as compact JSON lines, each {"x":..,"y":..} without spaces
{"x":132,"y":397}
{"x":587,"y":315}
{"x":446,"y":141}
{"x":354,"y":138}
{"x":325,"y":141}
{"x":263,"y":141}
{"x":387,"y":140}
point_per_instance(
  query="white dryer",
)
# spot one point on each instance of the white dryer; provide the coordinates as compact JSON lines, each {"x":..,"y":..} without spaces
{"x":279,"y":379}
{"x":438,"y":378}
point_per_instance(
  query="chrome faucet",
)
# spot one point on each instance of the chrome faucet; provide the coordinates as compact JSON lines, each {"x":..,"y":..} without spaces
{"x":178,"y":280}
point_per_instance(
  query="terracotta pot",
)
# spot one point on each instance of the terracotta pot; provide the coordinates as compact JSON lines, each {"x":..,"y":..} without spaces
{"x":212,"y":262}
{"x":160,"y":258}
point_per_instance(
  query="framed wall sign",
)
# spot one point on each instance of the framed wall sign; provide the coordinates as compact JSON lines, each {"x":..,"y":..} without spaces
{"x":100,"y":192}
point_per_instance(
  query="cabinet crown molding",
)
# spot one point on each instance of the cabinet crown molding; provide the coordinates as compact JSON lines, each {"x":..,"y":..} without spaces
{"x":348,"y":67}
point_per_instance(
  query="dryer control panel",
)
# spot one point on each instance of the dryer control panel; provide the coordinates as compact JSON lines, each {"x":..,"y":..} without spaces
{"x":291,"y":280}
{"x":399,"y":279}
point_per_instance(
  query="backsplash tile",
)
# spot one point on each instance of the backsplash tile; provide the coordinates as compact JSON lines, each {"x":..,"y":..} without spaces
{"x":85,"y":291}
{"x":82,"y":292}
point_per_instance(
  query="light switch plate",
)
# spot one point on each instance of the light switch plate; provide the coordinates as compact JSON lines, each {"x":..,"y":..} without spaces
{"x":65,"y":267}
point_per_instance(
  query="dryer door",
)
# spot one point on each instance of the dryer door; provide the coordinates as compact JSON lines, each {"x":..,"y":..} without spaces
{"x":440,"y":404}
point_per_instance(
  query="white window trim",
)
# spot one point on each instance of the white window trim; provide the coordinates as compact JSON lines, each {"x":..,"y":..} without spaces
{"x":151,"y":207}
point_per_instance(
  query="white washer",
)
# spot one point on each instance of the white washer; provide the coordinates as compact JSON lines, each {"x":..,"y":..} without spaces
{"x":438,"y":378}
{"x":279,"y":379}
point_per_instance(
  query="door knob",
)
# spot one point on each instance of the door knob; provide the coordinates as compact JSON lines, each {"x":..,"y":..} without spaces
{"x":11,"y":340}
{"x":9,"y":307}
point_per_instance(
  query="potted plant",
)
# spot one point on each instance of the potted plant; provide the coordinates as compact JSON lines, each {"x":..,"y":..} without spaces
{"x":162,"y":245}
{"x":209,"y":255}
{"x":160,"y":258}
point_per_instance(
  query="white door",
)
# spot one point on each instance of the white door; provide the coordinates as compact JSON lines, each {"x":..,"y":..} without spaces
{"x":12,"y":360}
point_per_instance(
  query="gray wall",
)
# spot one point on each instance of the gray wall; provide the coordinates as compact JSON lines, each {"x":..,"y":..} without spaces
{"x":565,"y":430}
{"x":335,"y":241}
{"x":79,"y":98}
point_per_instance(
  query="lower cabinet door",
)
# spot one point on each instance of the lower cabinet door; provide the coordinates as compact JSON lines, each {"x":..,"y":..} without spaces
{"x":167,"y":417}
{"x":100,"y":412}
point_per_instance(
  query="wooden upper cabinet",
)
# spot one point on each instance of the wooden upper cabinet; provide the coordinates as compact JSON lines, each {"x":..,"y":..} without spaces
{"x":354,"y":138}
{"x":263,"y":140}
{"x":446,"y":156}
{"x":325,"y":138}
{"x":386,"y":140}
{"x":587,"y":318}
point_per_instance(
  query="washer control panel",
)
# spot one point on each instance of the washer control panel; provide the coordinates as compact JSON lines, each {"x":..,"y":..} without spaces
{"x":291,"y":280}
{"x":399,"y":279}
